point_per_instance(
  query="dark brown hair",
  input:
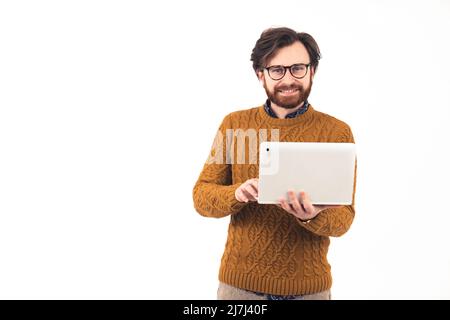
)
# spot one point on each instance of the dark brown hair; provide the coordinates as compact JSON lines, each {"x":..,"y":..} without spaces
{"x":276,"y":38}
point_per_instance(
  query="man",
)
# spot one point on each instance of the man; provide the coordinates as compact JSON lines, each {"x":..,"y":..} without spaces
{"x":273,"y":251}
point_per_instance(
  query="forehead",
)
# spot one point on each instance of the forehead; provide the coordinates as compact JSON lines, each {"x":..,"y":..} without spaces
{"x":292,"y":54}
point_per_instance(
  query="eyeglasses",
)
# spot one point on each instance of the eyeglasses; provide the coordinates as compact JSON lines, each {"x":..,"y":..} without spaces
{"x":298,"y":71}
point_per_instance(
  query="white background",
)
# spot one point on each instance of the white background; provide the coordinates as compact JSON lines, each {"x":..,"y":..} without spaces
{"x":108,"y":110}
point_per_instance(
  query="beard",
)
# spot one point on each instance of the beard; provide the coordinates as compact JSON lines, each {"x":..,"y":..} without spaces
{"x":290,"y":102}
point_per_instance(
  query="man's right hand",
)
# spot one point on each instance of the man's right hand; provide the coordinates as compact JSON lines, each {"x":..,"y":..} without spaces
{"x":248,"y":191}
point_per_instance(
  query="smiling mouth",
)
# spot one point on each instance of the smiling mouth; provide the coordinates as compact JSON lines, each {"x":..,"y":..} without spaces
{"x":288,"y":92}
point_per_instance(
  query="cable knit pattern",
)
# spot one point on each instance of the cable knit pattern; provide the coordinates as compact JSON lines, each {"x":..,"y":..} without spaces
{"x":269,"y":250}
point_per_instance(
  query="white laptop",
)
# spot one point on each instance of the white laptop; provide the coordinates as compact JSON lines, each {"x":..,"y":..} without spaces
{"x":325,"y":171}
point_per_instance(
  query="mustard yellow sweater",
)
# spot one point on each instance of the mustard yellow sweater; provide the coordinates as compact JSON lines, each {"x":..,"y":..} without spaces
{"x":269,"y":250}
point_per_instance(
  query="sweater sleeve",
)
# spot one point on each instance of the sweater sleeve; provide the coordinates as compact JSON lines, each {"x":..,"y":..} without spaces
{"x":334,"y":222}
{"x":213,"y":193}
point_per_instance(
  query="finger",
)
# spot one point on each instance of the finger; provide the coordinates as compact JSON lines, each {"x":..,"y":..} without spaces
{"x":294,"y":202}
{"x":285,"y":205}
{"x":248,"y":195}
{"x":241,"y":195}
{"x":306,"y":201}
{"x":253,"y":183}
{"x":252,"y":190}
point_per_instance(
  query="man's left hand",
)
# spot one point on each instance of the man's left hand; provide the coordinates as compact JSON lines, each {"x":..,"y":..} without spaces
{"x":301,"y":207}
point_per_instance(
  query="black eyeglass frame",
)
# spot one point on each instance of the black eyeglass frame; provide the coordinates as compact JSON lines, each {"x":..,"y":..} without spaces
{"x":308,"y":66}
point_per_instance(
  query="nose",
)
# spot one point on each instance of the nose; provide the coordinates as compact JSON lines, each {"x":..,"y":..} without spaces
{"x":288,"y":79}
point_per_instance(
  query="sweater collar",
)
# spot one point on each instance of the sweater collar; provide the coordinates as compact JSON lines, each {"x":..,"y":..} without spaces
{"x":270,"y":112}
{"x":303,"y":118}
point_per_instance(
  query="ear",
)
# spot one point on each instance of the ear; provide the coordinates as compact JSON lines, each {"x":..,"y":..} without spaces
{"x":313,"y":72}
{"x":260,"y":75}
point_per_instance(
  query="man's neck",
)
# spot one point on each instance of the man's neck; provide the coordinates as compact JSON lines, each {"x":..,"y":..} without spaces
{"x":283,"y":112}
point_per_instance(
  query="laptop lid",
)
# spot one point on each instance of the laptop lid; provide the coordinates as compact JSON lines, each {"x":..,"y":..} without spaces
{"x":325,"y":171}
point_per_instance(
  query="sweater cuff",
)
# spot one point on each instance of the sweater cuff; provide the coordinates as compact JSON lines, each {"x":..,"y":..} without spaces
{"x":316,"y":223}
{"x":235,"y":205}
{"x":331,"y":222}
